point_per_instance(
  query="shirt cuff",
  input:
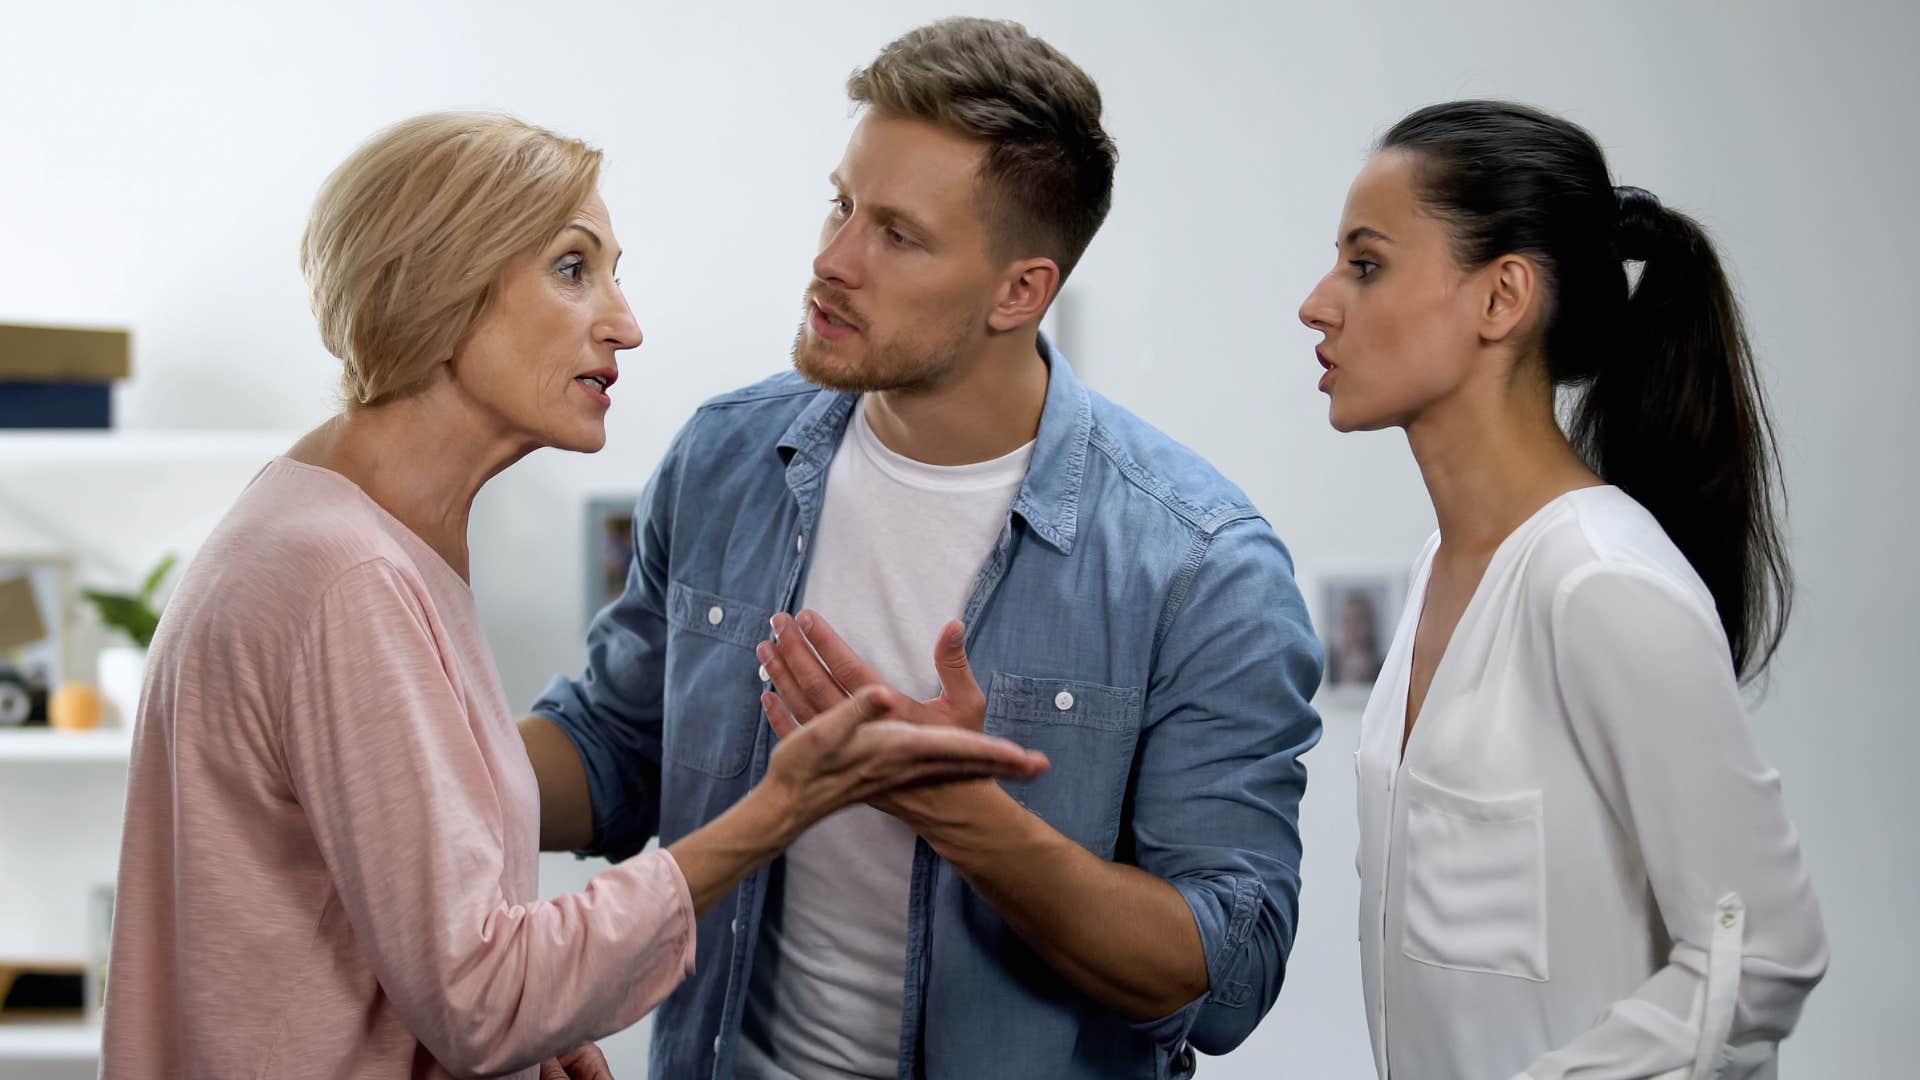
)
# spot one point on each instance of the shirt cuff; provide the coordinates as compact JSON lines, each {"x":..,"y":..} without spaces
{"x":682,"y":913}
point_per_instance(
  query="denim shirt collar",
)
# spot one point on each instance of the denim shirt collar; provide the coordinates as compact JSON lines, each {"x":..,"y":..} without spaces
{"x":1049,"y":498}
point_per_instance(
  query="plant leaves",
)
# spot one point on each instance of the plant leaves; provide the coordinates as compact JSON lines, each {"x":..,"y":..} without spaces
{"x":155,"y":577}
{"x":128,"y":614}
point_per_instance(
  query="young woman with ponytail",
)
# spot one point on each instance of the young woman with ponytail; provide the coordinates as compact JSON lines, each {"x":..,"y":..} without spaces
{"x":1572,"y":860}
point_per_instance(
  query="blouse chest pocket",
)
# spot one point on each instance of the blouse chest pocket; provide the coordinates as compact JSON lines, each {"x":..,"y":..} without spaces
{"x":712,"y":671}
{"x":1088,"y":733}
{"x":1476,"y":889}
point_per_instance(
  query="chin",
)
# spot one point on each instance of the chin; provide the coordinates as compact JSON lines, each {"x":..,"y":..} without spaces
{"x":585,"y":441}
{"x":834,"y":365}
{"x":1350,"y":419}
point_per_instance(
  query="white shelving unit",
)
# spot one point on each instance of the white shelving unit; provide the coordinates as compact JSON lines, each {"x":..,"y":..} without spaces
{"x":115,"y":502}
{"x":68,"y":448}
{"x":52,"y":1040}
{"x":43,"y":745}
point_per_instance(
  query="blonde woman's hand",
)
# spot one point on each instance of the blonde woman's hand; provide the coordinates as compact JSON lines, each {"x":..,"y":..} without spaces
{"x":585,"y":1063}
{"x":857,"y":750}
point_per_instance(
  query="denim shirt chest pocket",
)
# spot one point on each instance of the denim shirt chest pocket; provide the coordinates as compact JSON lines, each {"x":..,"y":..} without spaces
{"x":1088,"y":732}
{"x":710,"y":645}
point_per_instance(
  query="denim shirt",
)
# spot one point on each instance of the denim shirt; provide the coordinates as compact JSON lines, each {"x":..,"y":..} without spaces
{"x":1137,"y":620}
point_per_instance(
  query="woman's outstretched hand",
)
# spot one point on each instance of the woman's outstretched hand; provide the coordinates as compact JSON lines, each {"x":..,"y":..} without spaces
{"x":851,"y":752}
{"x":854,"y":751}
{"x":585,"y":1063}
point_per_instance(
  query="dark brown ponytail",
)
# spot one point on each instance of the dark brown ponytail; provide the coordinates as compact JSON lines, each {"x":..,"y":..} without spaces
{"x":1671,"y":411}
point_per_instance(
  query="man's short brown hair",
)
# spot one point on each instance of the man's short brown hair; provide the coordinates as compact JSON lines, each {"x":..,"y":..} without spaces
{"x":1047,"y":180}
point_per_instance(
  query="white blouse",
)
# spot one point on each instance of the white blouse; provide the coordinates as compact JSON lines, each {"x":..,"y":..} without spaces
{"x":1581,"y":868}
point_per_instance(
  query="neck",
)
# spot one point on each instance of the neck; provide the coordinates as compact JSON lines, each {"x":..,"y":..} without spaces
{"x":422,"y":458}
{"x":988,"y":407}
{"x":1491,"y":457}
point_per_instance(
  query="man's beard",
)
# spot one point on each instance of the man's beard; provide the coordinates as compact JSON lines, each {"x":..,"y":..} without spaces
{"x":893,"y":365}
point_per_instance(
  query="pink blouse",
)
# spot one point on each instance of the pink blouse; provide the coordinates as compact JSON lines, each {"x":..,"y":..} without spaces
{"x":330,"y":860}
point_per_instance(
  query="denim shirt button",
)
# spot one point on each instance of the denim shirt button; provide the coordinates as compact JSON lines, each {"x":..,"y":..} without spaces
{"x":764,"y":677}
{"x":800,"y":543}
{"x":714,"y":615}
{"x":1063,"y":701}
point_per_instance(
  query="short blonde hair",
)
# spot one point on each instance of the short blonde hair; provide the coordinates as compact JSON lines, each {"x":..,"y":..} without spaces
{"x":410,"y":234}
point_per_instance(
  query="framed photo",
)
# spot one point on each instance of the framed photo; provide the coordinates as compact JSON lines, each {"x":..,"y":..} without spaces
{"x":1359,"y":613}
{"x":609,"y":549}
{"x":35,"y":597}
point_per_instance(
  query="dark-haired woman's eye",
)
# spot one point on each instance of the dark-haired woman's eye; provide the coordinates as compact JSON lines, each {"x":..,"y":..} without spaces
{"x":1364,"y":267}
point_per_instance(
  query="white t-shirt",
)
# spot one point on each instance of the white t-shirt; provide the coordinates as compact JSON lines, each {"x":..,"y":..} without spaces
{"x":898,"y":549}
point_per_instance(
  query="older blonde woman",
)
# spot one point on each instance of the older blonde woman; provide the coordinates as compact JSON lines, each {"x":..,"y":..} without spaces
{"x":332,"y":827}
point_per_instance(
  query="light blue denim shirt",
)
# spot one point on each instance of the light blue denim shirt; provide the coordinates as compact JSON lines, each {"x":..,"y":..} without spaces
{"x":1130,"y":575}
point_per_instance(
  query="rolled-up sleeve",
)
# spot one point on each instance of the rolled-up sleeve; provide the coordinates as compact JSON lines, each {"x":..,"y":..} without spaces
{"x":1651,"y":695}
{"x":613,"y":710}
{"x":1219,"y":779}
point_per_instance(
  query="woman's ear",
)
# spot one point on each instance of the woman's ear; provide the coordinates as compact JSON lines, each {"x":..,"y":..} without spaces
{"x":1513,"y":296}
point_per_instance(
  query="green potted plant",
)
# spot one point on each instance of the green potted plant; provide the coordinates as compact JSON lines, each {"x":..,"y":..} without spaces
{"x":136,"y":615}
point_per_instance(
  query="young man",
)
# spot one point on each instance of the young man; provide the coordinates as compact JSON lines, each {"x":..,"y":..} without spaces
{"x":1131,"y":613}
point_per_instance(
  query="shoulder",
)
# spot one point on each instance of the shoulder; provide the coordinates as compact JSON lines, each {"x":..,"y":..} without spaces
{"x":1162,"y":473}
{"x":1605,"y":564}
{"x":788,"y":392}
{"x":293,"y":533}
{"x":747,"y":421}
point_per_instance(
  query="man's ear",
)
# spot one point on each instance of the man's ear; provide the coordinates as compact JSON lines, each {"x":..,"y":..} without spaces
{"x":1025,"y":291}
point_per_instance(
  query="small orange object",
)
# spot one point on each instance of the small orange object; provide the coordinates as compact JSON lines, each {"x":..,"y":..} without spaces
{"x":75,"y":707}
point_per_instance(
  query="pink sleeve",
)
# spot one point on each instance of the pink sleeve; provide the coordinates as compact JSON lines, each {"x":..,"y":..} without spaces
{"x":382,"y":757}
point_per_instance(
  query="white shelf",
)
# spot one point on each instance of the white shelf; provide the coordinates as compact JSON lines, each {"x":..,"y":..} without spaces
{"x":29,"y":447}
{"x":54,"y":1040}
{"x":47,"y":745}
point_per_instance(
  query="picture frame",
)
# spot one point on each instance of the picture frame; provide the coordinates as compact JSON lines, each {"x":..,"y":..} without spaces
{"x":36,"y":605}
{"x":1359,"y":612}
{"x":607,"y":549}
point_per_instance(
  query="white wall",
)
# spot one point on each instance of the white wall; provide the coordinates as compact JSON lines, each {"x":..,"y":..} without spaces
{"x":157,"y":160}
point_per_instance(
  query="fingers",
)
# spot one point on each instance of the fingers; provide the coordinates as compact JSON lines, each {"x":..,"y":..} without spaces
{"x":842,"y":662}
{"x":784,"y":683}
{"x":587,"y":1063}
{"x":550,"y":1070}
{"x":838,"y":724}
{"x":778,"y":717}
{"x":957,"y":683}
{"x":915,"y":748}
{"x":803,"y":681}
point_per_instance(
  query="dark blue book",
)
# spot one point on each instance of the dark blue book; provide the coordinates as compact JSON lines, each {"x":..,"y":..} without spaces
{"x":56,"y":404}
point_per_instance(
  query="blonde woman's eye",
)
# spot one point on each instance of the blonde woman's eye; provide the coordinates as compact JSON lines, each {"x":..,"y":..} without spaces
{"x":571,"y":267}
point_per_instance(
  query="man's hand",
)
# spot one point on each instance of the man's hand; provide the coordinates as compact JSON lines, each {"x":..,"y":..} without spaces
{"x":586,"y":1063}
{"x":813,"y":669}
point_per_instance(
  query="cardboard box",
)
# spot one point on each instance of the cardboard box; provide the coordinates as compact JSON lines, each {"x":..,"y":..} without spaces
{"x":58,"y":354}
